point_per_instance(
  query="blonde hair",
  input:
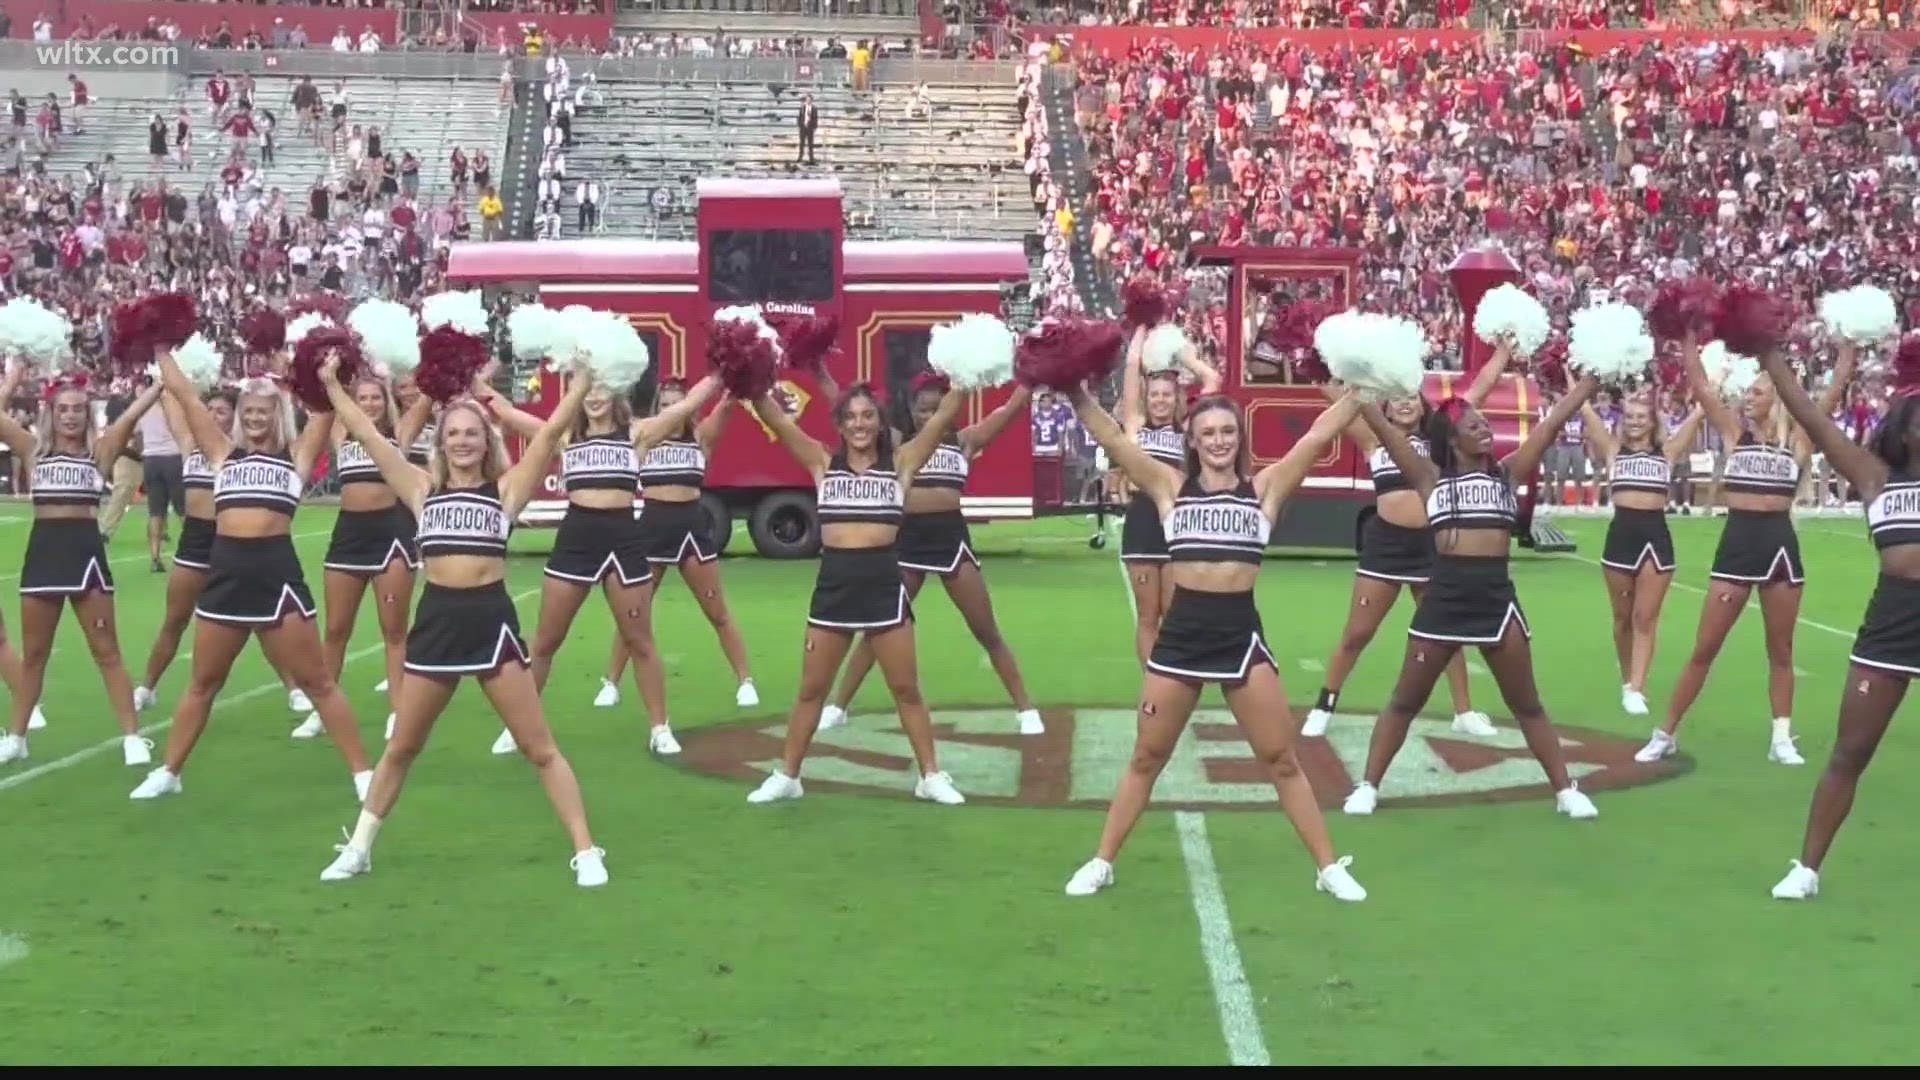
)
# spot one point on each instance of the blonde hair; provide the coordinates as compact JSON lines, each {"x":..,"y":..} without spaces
{"x":493,"y":464}
{"x":388,"y":419}
{"x":283,"y":420}
{"x":43,"y":429}
{"x":1777,"y":429}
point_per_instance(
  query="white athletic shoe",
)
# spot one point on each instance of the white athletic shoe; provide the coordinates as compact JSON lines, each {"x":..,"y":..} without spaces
{"x":1633,"y":701}
{"x":608,"y":697}
{"x":938,"y":787}
{"x":391,"y":719}
{"x":350,"y":861}
{"x":136,"y":750}
{"x":37,"y":720}
{"x":1097,"y":874}
{"x":1363,"y":799}
{"x":12,"y":748}
{"x":1474,"y":723}
{"x":832,"y":716}
{"x":310,"y":728}
{"x":1574,"y":803}
{"x":1316,"y":725}
{"x":144,"y":699}
{"x":1659,"y":745}
{"x":1030,"y":722}
{"x":589,"y":868}
{"x":380,"y":687}
{"x":1782,"y":751}
{"x":776,"y":786}
{"x":746,"y":696}
{"x":1800,"y":883}
{"x":361,"y":782}
{"x":297,"y":702}
{"x":1335,"y":879}
{"x":660,"y":740}
{"x":505,"y":744}
{"x":158,"y":782}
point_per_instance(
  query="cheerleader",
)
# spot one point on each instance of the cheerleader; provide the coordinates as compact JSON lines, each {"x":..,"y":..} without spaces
{"x":66,"y":559}
{"x":373,"y":538}
{"x":1758,"y":548}
{"x":1470,"y":599}
{"x":255,"y":586}
{"x":672,"y":526}
{"x":1886,"y":651}
{"x":1217,"y":519}
{"x":859,"y":588}
{"x":466,"y":623}
{"x":1637,"y":560}
{"x":934,"y":540}
{"x":1155,"y":427}
{"x":189,"y":574}
{"x":1396,"y":548}
{"x":599,"y":541}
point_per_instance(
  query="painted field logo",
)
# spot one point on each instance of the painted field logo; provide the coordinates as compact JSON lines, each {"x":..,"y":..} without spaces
{"x":1078,"y":761}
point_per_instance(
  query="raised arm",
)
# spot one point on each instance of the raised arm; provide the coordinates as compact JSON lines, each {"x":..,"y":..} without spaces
{"x":1417,"y":468}
{"x":651,"y":431}
{"x":1704,"y":392}
{"x":212,"y":443}
{"x":176,"y":421}
{"x":314,"y":438}
{"x":408,"y":481}
{"x":511,"y":420}
{"x":1679,"y":441}
{"x":1489,"y":374}
{"x":1845,"y":357}
{"x":707,"y":431}
{"x":17,"y":437}
{"x":113,"y":440}
{"x":1155,"y":479}
{"x":1523,"y":461}
{"x":975,"y":437}
{"x":1855,"y":462}
{"x":915,"y":451}
{"x":805,"y":449}
{"x":1275,"y":483}
{"x":1207,"y":374}
{"x":519,"y":483}
{"x":1133,"y":406}
{"x":1601,"y":443}
{"x":412,"y":422}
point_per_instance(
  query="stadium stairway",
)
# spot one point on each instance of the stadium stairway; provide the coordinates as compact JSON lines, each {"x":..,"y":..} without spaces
{"x":1067,"y":158}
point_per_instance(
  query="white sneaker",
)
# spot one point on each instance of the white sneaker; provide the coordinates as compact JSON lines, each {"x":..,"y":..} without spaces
{"x":832,"y":716}
{"x":297,"y":702}
{"x":1800,"y":883}
{"x":361,"y":782}
{"x":1335,"y":879}
{"x":350,"y":861}
{"x":1030,"y":722}
{"x":1633,"y":701}
{"x":37,"y":720}
{"x":144,"y":699}
{"x":391,"y":718}
{"x":1363,"y":799}
{"x":938,"y":787}
{"x":158,"y":782}
{"x":746,"y":696}
{"x":776,"y":786}
{"x":1474,"y":723}
{"x":608,"y":697}
{"x":1574,"y":803}
{"x":380,"y":687}
{"x":1316,"y":725}
{"x":136,"y":750}
{"x":310,"y":728}
{"x":660,"y":740}
{"x":505,"y":744}
{"x":1658,"y":746}
{"x":1097,"y":874}
{"x":12,"y":748}
{"x":1783,"y":752}
{"x":589,"y":867}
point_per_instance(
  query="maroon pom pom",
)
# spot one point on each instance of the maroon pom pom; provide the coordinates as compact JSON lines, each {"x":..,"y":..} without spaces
{"x":806,"y":340}
{"x":930,"y":380}
{"x":1144,"y":300}
{"x":1750,"y":321}
{"x":303,"y":375}
{"x":1550,"y":363}
{"x":264,"y":331}
{"x":320,"y":302}
{"x":162,"y":320}
{"x":449,"y":360}
{"x":742,"y":357}
{"x":1062,"y":354}
{"x":1287,"y":334}
{"x":1683,"y":304}
{"x":1906,"y":365}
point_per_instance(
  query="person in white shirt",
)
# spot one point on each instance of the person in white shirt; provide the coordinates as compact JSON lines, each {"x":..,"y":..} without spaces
{"x":161,"y":474}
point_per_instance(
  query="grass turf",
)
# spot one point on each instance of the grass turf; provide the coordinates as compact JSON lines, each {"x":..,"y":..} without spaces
{"x":861,"y":929}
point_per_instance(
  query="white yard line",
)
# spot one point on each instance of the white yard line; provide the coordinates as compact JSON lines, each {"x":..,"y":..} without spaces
{"x":13,"y":948}
{"x":1239,"y":1024}
{"x":1849,"y":634}
{"x":166,"y":559}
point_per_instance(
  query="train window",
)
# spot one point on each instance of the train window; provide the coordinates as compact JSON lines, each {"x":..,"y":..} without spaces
{"x":752,"y":266}
{"x":905,"y":349}
{"x":641,"y":398}
{"x":1267,"y":333}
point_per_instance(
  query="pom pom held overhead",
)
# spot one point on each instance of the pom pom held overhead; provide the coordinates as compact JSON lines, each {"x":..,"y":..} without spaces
{"x":1062,"y":354}
{"x":973,"y":352}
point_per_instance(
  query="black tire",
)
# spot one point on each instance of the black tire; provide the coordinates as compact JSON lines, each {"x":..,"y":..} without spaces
{"x":786,"y":525}
{"x":1097,"y":541}
{"x":719,"y":522}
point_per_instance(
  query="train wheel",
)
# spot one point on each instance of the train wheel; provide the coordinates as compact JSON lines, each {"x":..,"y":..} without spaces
{"x":785,"y":525}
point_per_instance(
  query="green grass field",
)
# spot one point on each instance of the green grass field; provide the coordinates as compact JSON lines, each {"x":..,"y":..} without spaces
{"x":858,"y":926}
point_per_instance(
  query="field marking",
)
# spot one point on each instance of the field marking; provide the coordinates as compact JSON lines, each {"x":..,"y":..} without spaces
{"x":13,"y":948}
{"x":146,"y":558}
{"x":1315,"y":666}
{"x":1232,"y":995}
{"x":1849,"y":634}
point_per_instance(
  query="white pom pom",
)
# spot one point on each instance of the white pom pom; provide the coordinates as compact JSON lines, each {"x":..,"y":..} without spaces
{"x":1864,"y":314}
{"x":1341,"y":340}
{"x":389,"y":334}
{"x":536,"y":331}
{"x":200,"y":362}
{"x":612,"y":349}
{"x":1610,"y":342}
{"x":299,"y":328}
{"x":1508,"y":312}
{"x":464,"y":311}
{"x":1729,"y":372}
{"x":974,"y":353}
{"x":35,"y":332}
{"x":1399,"y":356}
{"x":1165,"y":345}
